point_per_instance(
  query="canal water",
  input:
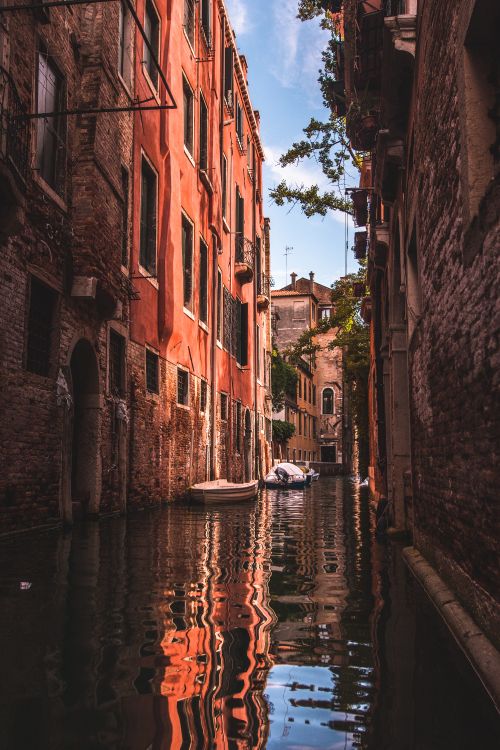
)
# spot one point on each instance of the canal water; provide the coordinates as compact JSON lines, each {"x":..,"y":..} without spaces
{"x":280,"y":623}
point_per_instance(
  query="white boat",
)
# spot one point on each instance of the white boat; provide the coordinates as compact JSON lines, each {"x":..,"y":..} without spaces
{"x":222,"y":491}
{"x":286,"y":475}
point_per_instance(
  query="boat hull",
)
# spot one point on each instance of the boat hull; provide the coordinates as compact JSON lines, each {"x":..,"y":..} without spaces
{"x":223,"y":492}
{"x":292,"y":485}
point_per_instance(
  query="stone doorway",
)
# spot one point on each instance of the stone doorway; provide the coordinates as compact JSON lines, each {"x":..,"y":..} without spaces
{"x":84,"y":466}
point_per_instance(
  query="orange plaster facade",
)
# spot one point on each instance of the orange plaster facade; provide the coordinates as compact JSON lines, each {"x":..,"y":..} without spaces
{"x":221,"y":427}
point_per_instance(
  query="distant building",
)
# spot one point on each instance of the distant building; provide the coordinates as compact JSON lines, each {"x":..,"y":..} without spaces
{"x":318,"y":406}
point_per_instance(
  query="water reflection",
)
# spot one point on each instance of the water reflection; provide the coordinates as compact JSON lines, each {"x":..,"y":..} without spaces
{"x":269,"y":625}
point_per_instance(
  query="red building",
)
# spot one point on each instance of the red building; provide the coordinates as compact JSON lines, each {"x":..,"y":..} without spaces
{"x":199,"y":261}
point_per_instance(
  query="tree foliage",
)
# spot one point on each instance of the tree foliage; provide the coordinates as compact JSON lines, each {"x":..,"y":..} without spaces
{"x":282,"y":431}
{"x":283,"y":379}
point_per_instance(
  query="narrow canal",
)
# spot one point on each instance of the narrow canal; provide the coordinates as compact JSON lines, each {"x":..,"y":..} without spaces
{"x":274,"y":624}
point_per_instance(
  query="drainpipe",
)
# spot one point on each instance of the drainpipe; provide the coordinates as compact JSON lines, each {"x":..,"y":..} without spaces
{"x":213,"y":358}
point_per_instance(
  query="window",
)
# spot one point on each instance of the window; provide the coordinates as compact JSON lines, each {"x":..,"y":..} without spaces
{"x":299,"y":384}
{"x":241,"y":333}
{"x":314,"y":395}
{"x":187,"y":262}
{"x":116,"y":363}
{"x":310,"y":393}
{"x":224,"y":186}
{"x":239,"y":123}
{"x":299,"y":315}
{"x":228,"y":76}
{"x":203,"y":135}
{"x":152,"y":32}
{"x":203,"y":283}
{"x":152,"y":371}
{"x":125,"y":207}
{"x":205,"y":21}
{"x":219,"y":305}
{"x":125,"y":61}
{"x":325,"y":312}
{"x":223,"y":406}
{"x":328,"y":401}
{"x":240,"y":226}
{"x":182,"y":387}
{"x":313,"y":311}
{"x":257,"y":334}
{"x":40,"y":322}
{"x":50,"y":144}
{"x":147,"y":253}
{"x":188,"y":116}
{"x":299,"y":429}
{"x":203,"y":395}
{"x":300,"y":454}
{"x":189,"y":22}
{"x":258,"y":266}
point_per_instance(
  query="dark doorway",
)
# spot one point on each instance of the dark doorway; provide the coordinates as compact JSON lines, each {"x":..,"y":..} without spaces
{"x":248,"y":446}
{"x":85,"y":465}
{"x":329,"y":454}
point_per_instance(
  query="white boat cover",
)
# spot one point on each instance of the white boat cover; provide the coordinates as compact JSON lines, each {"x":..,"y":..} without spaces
{"x":290,"y":469}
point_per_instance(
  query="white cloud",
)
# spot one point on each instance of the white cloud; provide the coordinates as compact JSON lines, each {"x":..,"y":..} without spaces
{"x":305,"y":173}
{"x":297,"y":49}
{"x":239,"y":17}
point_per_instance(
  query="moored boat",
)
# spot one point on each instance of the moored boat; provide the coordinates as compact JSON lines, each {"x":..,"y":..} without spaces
{"x":222,"y":491}
{"x":286,"y":476}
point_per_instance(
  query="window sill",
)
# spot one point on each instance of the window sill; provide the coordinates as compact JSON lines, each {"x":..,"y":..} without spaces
{"x":188,"y":313}
{"x":189,"y":41}
{"x":188,"y":154}
{"x":147,"y":275}
{"x":241,"y":148}
{"x":127,"y":86}
{"x":125,"y":271}
{"x":152,"y":396}
{"x":50,"y":191}
{"x":219,"y":345}
{"x":203,"y":326}
{"x":186,"y":407}
{"x":154,"y":89}
{"x":225,"y":225}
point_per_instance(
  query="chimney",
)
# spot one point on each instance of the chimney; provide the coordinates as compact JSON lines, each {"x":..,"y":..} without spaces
{"x":294,"y":279}
{"x":311,"y":281}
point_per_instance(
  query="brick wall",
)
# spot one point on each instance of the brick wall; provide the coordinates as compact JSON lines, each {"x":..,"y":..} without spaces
{"x":454,"y":355}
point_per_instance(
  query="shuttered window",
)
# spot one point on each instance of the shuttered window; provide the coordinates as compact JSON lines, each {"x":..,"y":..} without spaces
{"x":187,"y":262}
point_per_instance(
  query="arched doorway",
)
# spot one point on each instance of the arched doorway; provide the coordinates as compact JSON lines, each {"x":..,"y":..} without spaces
{"x":248,"y":446}
{"x":85,"y":434}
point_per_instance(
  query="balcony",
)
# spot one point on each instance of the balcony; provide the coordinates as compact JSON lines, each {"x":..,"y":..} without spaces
{"x":244,"y":259}
{"x":360,"y":243}
{"x":360,"y":207}
{"x":14,"y":155}
{"x":264,"y":284}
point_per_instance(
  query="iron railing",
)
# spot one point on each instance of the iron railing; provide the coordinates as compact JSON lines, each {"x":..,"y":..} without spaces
{"x":14,"y":126}
{"x":245,"y":251}
{"x":264,"y":284}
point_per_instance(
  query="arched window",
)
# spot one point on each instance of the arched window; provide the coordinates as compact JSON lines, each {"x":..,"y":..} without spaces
{"x":328,"y":401}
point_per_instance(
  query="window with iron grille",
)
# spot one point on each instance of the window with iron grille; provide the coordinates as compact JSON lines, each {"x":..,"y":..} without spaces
{"x":237,"y":426}
{"x":116,"y":363}
{"x":182,"y":387}
{"x":189,"y":22}
{"x":152,"y":371}
{"x":223,"y":406}
{"x":40,"y":325}
{"x":203,"y":395}
{"x":187,"y":262}
{"x":203,"y":134}
{"x":125,"y":207}
{"x":188,"y":101}
{"x":152,"y":32}
{"x":228,"y":75}
{"x":147,"y":252}
{"x":219,"y":305}
{"x":228,"y":326}
{"x":203,"y":283}
{"x":51,"y":136}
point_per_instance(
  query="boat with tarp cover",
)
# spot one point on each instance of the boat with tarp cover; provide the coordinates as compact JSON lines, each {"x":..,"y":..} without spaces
{"x":222,"y":491}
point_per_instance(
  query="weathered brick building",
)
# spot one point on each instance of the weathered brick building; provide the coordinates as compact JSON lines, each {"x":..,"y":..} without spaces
{"x":422,"y":84}
{"x":317,"y":409}
{"x":135,"y":329}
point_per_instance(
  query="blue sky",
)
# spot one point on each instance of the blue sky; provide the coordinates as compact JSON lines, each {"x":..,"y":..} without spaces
{"x":284,"y":56}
